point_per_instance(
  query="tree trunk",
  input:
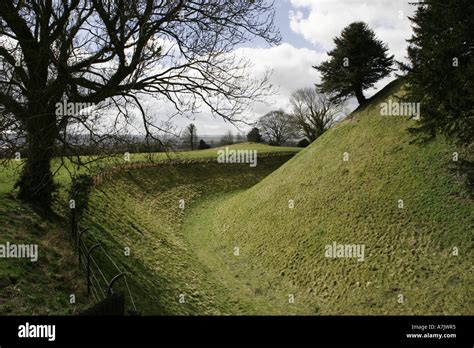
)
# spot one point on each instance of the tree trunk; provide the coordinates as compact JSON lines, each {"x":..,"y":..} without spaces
{"x":36,"y":181}
{"x":359,"y":95}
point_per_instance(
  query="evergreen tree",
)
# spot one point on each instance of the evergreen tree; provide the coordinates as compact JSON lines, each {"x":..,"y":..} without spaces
{"x":203,"y":145}
{"x":441,"y":70}
{"x":254,"y":135}
{"x":357,"y":62}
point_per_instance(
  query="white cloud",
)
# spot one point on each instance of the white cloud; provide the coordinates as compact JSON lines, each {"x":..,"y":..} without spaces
{"x":291,"y":69}
{"x":325,"y":20}
{"x":320,"y":21}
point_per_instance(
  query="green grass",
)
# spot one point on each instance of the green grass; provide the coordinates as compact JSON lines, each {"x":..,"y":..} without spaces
{"x":10,"y":172}
{"x":41,"y":287}
{"x":140,"y":209}
{"x":281,"y":250}
{"x":408,"y":251}
{"x":45,"y":287}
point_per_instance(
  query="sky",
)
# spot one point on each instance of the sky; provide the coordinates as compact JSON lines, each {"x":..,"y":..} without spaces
{"x":308,"y":28}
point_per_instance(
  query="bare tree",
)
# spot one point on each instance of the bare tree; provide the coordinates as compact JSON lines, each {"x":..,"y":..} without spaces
{"x":228,"y":138}
{"x":111,"y":54}
{"x":277,"y":127}
{"x":313,"y":112}
{"x":190,"y":136}
{"x":240,"y":137}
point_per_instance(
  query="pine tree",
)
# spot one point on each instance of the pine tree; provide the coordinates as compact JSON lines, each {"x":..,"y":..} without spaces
{"x":254,"y":135}
{"x":441,"y":69}
{"x":203,"y":145}
{"x":357,"y":62}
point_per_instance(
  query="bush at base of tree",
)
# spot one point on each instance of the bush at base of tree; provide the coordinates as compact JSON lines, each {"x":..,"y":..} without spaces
{"x":303,"y":143}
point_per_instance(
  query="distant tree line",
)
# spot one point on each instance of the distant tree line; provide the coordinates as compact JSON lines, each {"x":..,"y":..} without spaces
{"x":190,"y":139}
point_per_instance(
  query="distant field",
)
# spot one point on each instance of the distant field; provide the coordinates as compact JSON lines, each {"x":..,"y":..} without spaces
{"x":9,"y":174}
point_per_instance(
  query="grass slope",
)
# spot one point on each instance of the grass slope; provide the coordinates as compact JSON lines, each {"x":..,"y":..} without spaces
{"x":139,"y":209}
{"x":42,"y":287}
{"x":45,"y":286}
{"x":409,"y":250}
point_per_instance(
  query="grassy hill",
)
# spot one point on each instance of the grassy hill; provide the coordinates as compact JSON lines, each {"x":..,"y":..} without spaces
{"x":244,"y":245}
{"x":45,"y":286}
{"x":409,"y":266}
{"x":141,"y":209}
{"x":10,"y":172}
{"x":240,"y":247}
{"x":253,"y":240}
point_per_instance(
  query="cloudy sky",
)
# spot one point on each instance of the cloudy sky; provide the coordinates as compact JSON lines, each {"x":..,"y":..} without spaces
{"x":308,"y":28}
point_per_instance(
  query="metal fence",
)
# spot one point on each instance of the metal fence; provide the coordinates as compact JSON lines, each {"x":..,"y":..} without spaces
{"x":93,"y":259}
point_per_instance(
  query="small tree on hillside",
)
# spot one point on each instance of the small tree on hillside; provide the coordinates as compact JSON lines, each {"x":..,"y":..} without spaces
{"x":313,"y":112}
{"x":303,"y":143}
{"x":203,"y":145}
{"x":254,"y":135}
{"x":441,"y":75}
{"x":357,"y":62}
{"x":278,"y":127}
